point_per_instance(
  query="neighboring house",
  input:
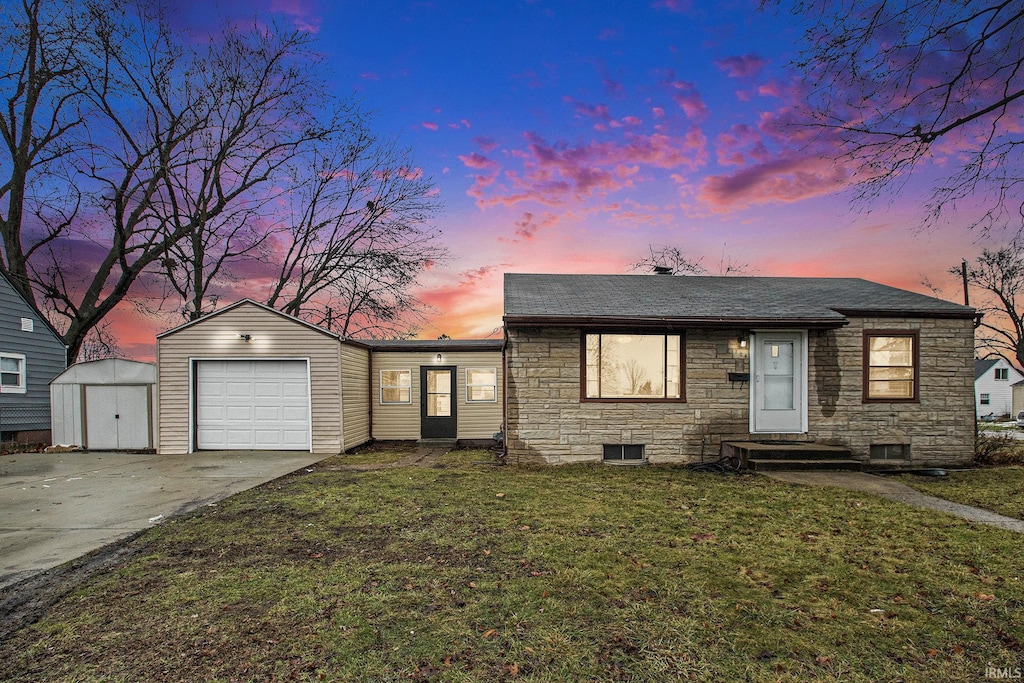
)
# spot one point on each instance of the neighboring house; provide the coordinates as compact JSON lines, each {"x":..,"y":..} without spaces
{"x":667,"y":369}
{"x":249,"y":377}
{"x":993,"y":387}
{"x":31,"y":354}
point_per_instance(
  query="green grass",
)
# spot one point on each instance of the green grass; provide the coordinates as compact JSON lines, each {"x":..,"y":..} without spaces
{"x":469,"y":572}
{"x":999,"y":489}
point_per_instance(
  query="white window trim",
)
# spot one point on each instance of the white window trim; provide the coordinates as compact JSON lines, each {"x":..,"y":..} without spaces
{"x":394,"y":386}
{"x":21,"y":387}
{"x":495,"y":385}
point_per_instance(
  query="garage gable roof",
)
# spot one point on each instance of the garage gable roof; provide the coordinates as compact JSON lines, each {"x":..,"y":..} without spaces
{"x":249,"y":302}
{"x":706,"y":300}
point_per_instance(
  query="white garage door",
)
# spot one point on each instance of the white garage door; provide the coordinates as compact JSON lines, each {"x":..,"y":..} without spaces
{"x":252,"y":405}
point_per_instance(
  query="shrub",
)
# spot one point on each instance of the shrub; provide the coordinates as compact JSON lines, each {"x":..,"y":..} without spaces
{"x":998,"y":449}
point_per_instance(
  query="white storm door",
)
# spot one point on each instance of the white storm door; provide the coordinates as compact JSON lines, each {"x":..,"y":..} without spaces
{"x":779,"y":391}
{"x":252,"y":405}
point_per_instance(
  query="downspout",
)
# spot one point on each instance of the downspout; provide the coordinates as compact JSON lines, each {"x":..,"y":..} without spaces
{"x":504,"y":394}
{"x":369,"y":390}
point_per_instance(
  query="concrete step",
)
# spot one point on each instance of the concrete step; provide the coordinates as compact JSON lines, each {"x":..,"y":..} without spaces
{"x":784,"y":451}
{"x":781,"y":465}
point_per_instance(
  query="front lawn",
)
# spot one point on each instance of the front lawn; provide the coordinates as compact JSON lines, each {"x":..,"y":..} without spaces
{"x":999,"y":489}
{"x":469,"y":572}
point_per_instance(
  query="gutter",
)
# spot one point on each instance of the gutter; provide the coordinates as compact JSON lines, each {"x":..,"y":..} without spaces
{"x":597,"y":322}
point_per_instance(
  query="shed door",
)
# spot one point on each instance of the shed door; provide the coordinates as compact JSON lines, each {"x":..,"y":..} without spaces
{"x":117,"y":417}
{"x":437,"y":402}
{"x":252,"y":405}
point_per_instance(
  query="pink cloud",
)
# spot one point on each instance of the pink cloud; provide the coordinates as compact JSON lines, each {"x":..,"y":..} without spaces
{"x":686,"y":97}
{"x":369,"y":76}
{"x":593,"y":111}
{"x":741,"y":145}
{"x":779,"y":180}
{"x":485,"y":143}
{"x":429,"y":125}
{"x":476,"y":160}
{"x":301,"y":13}
{"x":554,"y":173}
{"x":744,"y":66}
{"x":527,"y":226}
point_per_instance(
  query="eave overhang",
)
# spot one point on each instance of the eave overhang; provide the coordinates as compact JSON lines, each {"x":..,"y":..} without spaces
{"x":601,"y":322}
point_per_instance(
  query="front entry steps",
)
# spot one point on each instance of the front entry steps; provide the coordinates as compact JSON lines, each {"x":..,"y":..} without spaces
{"x":763,"y":456}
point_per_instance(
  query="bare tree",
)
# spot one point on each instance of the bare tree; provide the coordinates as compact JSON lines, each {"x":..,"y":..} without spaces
{"x":672,"y":261}
{"x":161,"y":139}
{"x":356,"y":239}
{"x":999,"y":275}
{"x":100,"y":343}
{"x":898,"y":83}
{"x":41,"y":91}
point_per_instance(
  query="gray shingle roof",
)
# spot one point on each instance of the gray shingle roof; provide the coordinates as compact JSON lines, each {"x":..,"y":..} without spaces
{"x":983,"y":365}
{"x":709,"y":300}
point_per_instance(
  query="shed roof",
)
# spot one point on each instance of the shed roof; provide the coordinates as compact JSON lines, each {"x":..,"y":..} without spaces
{"x":108,"y":371}
{"x":710,"y":301}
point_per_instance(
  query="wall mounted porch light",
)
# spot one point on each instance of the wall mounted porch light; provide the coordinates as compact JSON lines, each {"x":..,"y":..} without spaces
{"x":438,"y":359}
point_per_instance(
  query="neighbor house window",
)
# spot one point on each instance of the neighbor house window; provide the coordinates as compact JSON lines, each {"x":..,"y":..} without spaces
{"x":481,"y":385}
{"x":890,"y":366}
{"x":633,"y":367}
{"x":985,"y":400}
{"x":12,"y":373}
{"x":1003,"y":373}
{"x":396,"y":386}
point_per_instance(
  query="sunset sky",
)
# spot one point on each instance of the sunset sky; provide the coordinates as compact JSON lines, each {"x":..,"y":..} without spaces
{"x":566,"y":137}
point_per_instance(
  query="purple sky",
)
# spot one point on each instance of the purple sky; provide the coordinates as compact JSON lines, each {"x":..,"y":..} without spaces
{"x":567,"y":136}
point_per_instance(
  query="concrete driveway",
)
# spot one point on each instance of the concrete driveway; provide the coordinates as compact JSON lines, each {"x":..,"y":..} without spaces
{"x":55,"y":507}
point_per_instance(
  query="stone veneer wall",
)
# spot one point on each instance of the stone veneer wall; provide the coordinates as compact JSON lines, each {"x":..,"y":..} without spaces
{"x":547,"y":422}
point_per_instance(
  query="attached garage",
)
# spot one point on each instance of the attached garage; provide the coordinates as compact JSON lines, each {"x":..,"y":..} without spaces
{"x":252,"y":405}
{"x":104,"y":405}
{"x":249,"y":377}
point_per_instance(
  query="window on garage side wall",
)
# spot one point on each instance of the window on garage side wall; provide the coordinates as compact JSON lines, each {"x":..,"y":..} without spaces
{"x":481,"y":385}
{"x":633,"y":367}
{"x":891,"y":366}
{"x":395,"y":386}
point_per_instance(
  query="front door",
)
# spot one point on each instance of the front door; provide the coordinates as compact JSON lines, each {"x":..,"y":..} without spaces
{"x":778,"y":395}
{"x":437,"y":402}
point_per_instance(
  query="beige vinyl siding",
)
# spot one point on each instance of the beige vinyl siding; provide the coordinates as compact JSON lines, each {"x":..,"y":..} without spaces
{"x":273,"y":336}
{"x":355,"y":392}
{"x":476,"y":420}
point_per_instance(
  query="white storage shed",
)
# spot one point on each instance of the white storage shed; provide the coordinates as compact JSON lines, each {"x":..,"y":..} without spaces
{"x":104,"y":405}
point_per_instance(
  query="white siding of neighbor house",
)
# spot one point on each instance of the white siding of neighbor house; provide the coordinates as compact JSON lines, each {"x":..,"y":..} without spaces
{"x":273,"y":336}
{"x":402,"y":421}
{"x":1000,"y":391}
{"x":355,"y":380}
